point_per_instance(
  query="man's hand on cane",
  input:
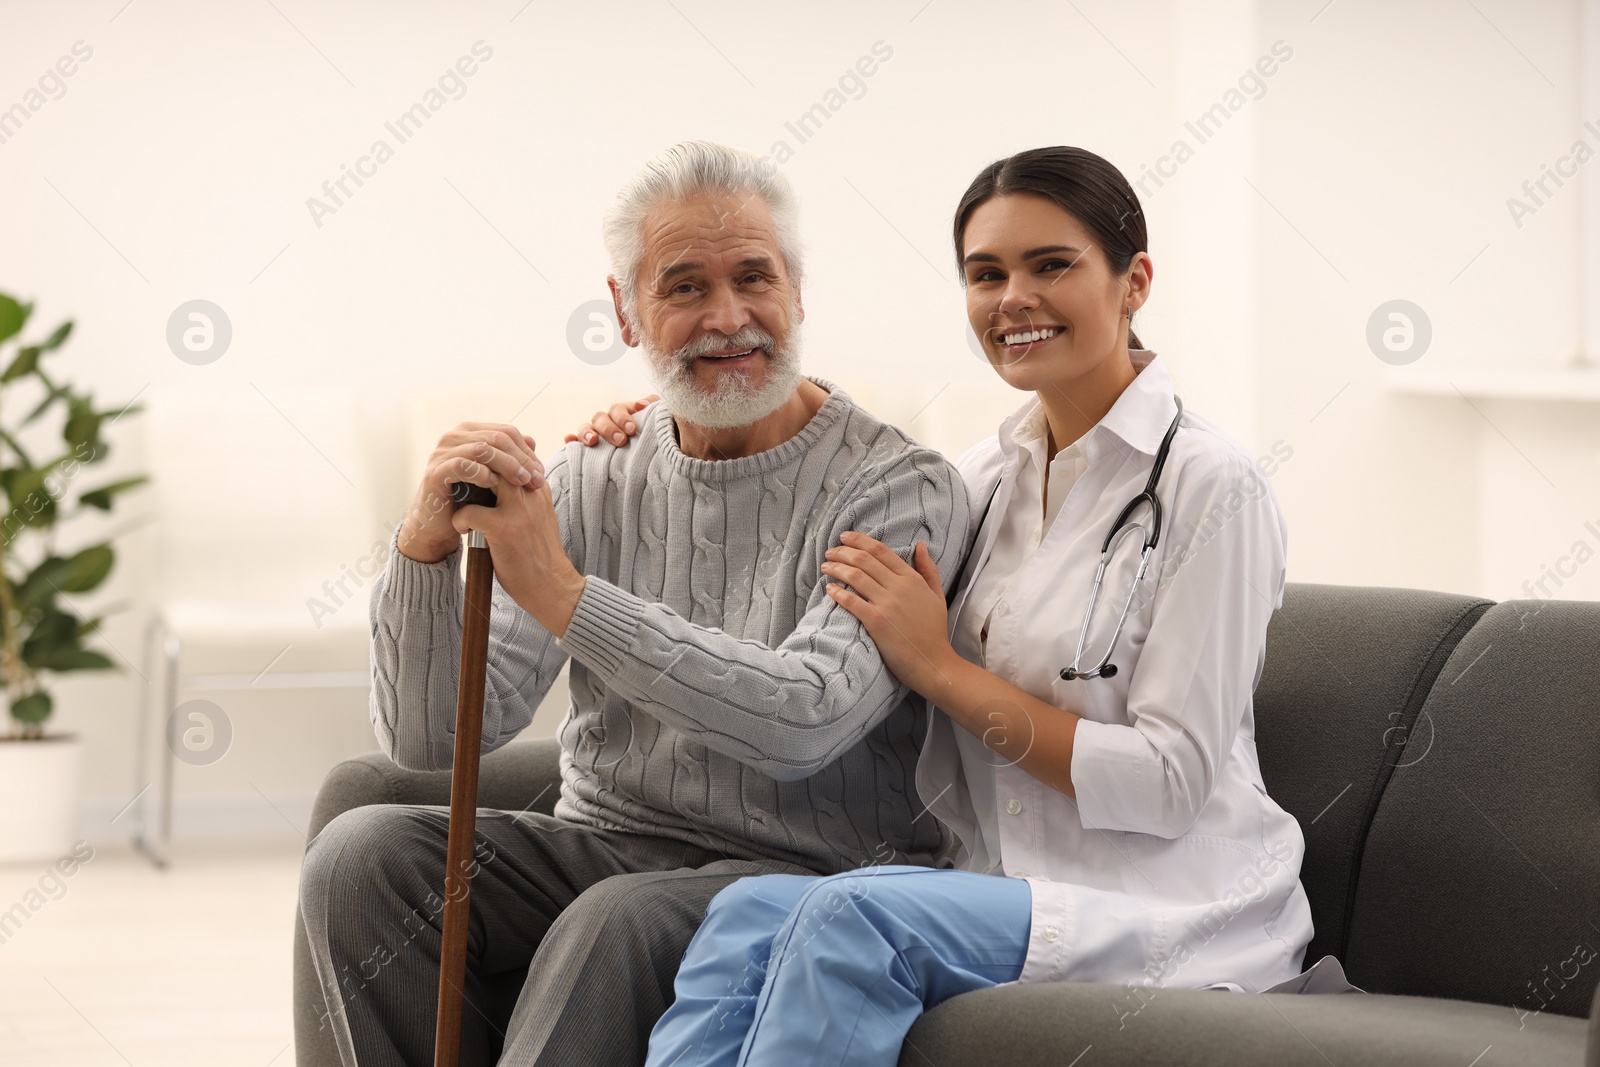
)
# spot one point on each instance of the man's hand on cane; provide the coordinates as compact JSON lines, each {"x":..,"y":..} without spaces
{"x":530,"y":561}
{"x":484,"y":453}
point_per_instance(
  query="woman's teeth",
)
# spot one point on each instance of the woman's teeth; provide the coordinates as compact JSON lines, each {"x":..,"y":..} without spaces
{"x":1026,"y":336}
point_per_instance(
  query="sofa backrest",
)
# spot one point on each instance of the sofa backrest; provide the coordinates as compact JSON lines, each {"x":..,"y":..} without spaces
{"x":1347,"y":671}
{"x":1480,"y":879}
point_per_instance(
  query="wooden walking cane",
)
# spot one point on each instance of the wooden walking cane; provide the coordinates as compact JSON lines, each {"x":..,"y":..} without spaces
{"x":464,"y":782}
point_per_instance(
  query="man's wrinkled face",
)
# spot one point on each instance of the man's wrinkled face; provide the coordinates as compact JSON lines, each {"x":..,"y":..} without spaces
{"x":717,"y":314}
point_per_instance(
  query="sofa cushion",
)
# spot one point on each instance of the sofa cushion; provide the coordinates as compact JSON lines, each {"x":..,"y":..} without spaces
{"x":1105,"y":1025}
{"x":1346,"y":673}
{"x":1481,"y":878}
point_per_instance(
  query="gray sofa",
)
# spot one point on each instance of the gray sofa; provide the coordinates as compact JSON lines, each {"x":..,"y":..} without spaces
{"x":1442,"y":755}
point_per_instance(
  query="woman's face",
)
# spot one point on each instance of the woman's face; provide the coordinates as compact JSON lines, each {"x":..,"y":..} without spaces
{"x":1039,"y":294}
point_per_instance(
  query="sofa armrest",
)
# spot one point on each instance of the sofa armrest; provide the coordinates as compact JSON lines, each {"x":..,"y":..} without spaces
{"x":522,"y":776}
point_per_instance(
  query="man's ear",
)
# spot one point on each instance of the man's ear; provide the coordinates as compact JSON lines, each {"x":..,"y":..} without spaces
{"x":630,"y":335}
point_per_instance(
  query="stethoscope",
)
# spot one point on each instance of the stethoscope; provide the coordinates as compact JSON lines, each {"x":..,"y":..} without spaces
{"x":1119,"y":529}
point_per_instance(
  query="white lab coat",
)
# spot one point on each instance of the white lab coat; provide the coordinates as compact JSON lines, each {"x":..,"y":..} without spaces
{"x":1172,"y":866}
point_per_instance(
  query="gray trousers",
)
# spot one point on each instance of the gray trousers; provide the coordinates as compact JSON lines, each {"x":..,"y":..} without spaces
{"x":598,"y":921}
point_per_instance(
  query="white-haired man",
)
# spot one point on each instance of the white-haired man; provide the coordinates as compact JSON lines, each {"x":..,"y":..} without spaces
{"x":727,"y":718}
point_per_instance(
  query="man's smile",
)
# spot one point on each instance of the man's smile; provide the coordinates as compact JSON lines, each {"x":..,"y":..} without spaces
{"x":733,"y":357}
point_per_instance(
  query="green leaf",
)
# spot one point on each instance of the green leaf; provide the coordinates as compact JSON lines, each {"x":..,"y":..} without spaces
{"x":29,"y":506}
{"x":37,"y":512}
{"x":25,"y":483}
{"x":17,"y":448}
{"x":76,"y":659}
{"x":55,"y":340}
{"x":33,"y":708}
{"x":42,"y":583}
{"x":87,"y":569}
{"x":27,"y":359}
{"x":12,"y":316}
{"x":126,"y":409}
{"x":101,"y":497}
{"x":55,"y":393}
{"x":55,"y":633}
{"x":83,"y":422}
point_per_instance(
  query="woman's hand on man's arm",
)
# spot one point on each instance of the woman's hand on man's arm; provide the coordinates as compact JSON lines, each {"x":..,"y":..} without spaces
{"x":902,"y":607}
{"x":615,"y":424}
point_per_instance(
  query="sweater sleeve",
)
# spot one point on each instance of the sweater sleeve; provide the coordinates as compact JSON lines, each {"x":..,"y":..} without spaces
{"x":415,"y":613}
{"x":792,"y":709}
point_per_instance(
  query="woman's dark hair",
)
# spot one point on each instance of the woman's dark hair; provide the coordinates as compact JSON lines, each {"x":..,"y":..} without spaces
{"x":1082,"y":184}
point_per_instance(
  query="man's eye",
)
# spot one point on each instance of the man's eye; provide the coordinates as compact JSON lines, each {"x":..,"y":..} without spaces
{"x":683,"y":287}
{"x":750,"y":278}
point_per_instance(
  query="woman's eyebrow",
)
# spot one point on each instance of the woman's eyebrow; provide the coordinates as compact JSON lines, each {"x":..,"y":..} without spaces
{"x":1032,"y":253}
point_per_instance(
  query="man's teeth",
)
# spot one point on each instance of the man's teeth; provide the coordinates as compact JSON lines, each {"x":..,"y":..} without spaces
{"x":1029,"y":335}
{"x":733,"y":355}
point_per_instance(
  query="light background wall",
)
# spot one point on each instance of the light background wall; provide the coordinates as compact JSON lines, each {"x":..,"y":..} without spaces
{"x":1375,"y":163}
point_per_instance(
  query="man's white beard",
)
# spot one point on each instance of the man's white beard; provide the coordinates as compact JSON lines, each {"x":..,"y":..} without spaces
{"x":735,"y":401}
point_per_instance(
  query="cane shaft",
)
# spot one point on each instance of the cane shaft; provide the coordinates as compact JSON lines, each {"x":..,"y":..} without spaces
{"x":463,"y":802}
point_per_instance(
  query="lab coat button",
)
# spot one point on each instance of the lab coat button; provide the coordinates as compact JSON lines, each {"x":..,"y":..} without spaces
{"x":1013,"y":806}
{"x":1051,"y":933}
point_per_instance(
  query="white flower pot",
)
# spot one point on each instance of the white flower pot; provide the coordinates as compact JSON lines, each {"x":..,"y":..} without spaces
{"x":38,"y":798}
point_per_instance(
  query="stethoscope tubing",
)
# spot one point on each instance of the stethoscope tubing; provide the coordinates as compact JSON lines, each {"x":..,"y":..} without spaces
{"x":1107,"y":669}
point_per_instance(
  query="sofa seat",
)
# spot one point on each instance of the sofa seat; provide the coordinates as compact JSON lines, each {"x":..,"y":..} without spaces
{"x":1109,"y":1026}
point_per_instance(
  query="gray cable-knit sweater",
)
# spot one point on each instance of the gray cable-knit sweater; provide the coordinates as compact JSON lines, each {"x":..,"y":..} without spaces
{"x":718,"y":694}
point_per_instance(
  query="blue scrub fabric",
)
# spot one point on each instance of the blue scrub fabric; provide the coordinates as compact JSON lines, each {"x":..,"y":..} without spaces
{"x":788,"y":969}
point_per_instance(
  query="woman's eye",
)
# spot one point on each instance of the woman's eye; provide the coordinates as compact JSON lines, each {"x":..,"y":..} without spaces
{"x":986,"y":276}
{"x":1056,"y":264}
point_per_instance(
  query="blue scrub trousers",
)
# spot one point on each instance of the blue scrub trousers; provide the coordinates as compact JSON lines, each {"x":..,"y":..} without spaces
{"x":788,"y":969}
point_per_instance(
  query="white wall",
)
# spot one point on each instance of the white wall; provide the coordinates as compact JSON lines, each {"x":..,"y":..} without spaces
{"x":1374,"y":165}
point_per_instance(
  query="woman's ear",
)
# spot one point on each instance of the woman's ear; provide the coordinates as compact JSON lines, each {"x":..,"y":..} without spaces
{"x":1141,"y":272}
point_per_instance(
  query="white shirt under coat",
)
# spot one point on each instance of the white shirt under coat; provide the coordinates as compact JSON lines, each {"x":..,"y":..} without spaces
{"x":1172,"y":866}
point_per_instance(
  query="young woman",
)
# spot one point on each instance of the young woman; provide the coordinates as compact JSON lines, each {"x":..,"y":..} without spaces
{"x":1091,"y":739}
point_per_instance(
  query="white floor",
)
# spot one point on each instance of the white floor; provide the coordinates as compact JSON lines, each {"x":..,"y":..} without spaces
{"x":132,"y":966}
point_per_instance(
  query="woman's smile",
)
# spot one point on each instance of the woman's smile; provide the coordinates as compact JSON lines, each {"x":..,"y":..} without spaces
{"x":1018,"y":341}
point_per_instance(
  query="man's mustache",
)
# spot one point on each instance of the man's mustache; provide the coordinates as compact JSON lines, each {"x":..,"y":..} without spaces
{"x":749,"y":337}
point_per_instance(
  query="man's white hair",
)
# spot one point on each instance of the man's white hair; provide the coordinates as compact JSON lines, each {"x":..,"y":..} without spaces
{"x":686,"y":170}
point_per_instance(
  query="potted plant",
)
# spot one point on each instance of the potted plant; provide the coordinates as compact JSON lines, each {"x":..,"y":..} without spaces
{"x":40,"y":635}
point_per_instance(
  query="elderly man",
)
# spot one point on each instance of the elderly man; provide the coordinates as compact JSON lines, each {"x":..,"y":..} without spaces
{"x":727,"y":718}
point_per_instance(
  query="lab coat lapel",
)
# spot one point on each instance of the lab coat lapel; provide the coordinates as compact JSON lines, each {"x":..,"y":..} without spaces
{"x":984,"y":541}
